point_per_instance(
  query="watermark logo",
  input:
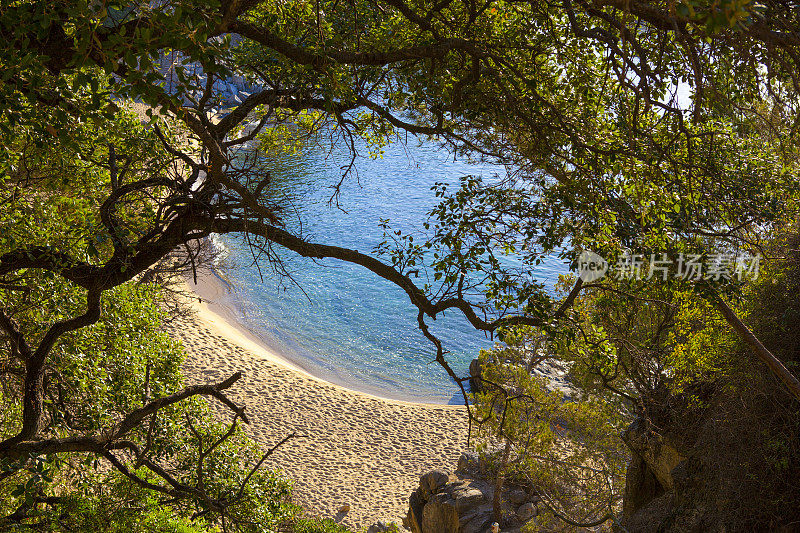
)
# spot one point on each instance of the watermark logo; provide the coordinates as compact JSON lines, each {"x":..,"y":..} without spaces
{"x":591,"y":266}
{"x":715,"y":267}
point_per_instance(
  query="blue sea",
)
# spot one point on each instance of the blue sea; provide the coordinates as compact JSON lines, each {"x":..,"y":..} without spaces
{"x":339,"y":321}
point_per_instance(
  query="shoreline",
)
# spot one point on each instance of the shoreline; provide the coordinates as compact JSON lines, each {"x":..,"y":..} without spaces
{"x":356,"y":449}
{"x":217,"y":307}
{"x":220,"y":310}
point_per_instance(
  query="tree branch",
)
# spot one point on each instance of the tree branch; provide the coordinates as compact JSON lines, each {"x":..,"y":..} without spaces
{"x":773,"y":363}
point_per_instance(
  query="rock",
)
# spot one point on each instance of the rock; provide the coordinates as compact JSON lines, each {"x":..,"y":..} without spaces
{"x":478,"y":520}
{"x":654,"y":450}
{"x":518,"y":496}
{"x":441,"y":506}
{"x":440,"y":515}
{"x":641,"y":486}
{"x":465,"y":497}
{"x":480,"y":524}
{"x":653,"y":470}
{"x":475,"y":373}
{"x":650,"y":469}
{"x":653,"y":513}
{"x":463,"y":505}
{"x":379,"y":527}
{"x":468,"y":462}
{"x":431,"y":482}
{"x":526,"y":511}
{"x":413,"y":519}
{"x":344,"y":508}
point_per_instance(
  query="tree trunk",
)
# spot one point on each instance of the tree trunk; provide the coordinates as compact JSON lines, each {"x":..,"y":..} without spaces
{"x":498,"y":484}
{"x":775,"y":365}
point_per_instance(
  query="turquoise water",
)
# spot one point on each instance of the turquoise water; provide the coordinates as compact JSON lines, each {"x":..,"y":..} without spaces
{"x":339,"y":321}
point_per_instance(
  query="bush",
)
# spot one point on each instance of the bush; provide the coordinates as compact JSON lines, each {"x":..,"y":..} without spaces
{"x":315,"y":525}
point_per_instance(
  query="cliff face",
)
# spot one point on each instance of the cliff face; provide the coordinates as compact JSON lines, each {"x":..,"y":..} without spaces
{"x":733,"y":465}
{"x":726,"y":455}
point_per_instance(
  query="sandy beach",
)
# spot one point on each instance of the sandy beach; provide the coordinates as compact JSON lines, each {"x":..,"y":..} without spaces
{"x":358,"y":450}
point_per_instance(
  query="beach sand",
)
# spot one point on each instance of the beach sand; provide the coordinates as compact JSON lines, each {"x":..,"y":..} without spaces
{"x":357,"y":449}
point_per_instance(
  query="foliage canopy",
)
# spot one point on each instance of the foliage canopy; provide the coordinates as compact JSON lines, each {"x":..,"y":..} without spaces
{"x":627,"y":126}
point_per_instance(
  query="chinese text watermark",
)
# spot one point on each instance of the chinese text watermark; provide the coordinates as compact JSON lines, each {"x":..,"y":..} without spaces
{"x":714,"y":267}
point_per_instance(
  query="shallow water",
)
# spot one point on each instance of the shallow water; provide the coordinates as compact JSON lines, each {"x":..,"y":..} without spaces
{"x":341,"y":322}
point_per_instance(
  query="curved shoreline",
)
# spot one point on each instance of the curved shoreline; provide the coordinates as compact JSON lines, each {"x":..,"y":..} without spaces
{"x":355,"y":449}
{"x":218,"y":309}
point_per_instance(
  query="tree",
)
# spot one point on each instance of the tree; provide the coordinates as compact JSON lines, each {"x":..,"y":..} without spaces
{"x":521,"y":427}
{"x":112,"y":387}
{"x":579,"y":99}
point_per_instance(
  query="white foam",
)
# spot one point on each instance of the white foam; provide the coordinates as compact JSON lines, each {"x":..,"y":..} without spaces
{"x":220,"y":249}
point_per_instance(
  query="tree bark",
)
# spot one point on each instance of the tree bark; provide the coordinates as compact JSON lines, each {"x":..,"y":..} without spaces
{"x":497,"y":510}
{"x":773,"y":363}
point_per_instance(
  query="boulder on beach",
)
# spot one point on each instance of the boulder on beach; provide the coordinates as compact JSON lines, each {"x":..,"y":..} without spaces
{"x":463,"y":503}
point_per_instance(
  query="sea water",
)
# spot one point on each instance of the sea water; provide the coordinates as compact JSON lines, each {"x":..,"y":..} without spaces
{"x":340,"y":321}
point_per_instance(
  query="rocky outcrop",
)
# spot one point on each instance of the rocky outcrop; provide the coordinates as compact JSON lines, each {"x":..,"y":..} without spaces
{"x":553,"y":371}
{"x":470,"y":463}
{"x":227,"y":91}
{"x":475,"y":376}
{"x":665,"y":490}
{"x":641,"y":486}
{"x":650,"y":471}
{"x":462,"y":502}
{"x":658,"y":455}
{"x":713,"y":479}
